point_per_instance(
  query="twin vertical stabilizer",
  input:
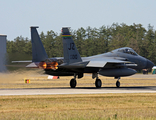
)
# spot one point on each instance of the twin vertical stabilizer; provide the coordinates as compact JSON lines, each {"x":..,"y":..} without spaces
{"x":71,"y":54}
{"x":38,"y":52}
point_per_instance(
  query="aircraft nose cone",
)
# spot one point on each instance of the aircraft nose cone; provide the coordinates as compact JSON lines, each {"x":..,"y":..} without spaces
{"x":149,"y":64}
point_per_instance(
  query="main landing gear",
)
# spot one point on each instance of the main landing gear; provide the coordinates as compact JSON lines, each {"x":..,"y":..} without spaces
{"x":98,"y":82}
{"x":73,"y":83}
{"x":118,"y":82}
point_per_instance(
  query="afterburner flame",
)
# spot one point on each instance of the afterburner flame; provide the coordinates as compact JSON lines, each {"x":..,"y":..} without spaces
{"x":52,"y":65}
{"x":43,"y":65}
{"x":49,"y":65}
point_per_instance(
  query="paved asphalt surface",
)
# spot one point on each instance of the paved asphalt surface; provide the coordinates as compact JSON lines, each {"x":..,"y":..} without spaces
{"x":82,"y":90}
{"x":78,"y":90}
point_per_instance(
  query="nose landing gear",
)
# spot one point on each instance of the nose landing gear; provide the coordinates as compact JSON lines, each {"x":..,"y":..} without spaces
{"x":118,"y":82}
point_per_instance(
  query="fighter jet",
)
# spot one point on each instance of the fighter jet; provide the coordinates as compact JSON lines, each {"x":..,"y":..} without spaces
{"x":117,"y":63}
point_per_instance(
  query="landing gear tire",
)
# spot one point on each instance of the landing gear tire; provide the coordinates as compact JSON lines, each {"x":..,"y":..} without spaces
{"x":117,"y":84}
{"x":98,"y":83}
{"x":73,"y":83}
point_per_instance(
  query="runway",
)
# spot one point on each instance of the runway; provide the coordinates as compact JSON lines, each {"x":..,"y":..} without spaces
{"x":36,"y":87}
{"x":78,"y":90}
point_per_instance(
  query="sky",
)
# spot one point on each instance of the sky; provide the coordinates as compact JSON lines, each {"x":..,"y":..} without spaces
{"x":16,"y":16}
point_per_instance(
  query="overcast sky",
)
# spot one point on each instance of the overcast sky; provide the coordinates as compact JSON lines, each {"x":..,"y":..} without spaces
{"x":18,"y":15}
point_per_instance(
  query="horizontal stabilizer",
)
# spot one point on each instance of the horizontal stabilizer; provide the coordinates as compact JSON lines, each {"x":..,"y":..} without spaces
{"x":32,"y":65}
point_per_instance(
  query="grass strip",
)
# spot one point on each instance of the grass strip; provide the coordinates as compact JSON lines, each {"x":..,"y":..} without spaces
{"x":99,"y":106}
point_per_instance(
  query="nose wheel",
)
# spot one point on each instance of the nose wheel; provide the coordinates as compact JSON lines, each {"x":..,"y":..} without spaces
{"x":118,"y":83}
{"x":98,"y":83}
{"x":73,"y":83}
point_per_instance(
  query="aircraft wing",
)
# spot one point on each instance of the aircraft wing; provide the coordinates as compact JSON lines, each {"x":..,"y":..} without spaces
{"x":23,"y":61}
{"x":101,"y":62}
{"x":30,"y":61}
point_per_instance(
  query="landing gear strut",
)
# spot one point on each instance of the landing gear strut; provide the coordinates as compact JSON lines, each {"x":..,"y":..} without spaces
{"x":73,"y":82}
{"x":98,"y":82}
{"x":118,"y":83}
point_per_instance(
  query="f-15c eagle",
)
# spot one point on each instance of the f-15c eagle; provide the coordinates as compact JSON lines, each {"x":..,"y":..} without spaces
{"x":117,"y":63}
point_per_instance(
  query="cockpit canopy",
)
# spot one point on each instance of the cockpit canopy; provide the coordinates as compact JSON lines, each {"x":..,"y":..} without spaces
{"x":126,"y":50}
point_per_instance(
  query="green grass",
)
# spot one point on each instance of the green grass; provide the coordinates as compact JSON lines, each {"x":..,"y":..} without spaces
{"x":75,"y":107}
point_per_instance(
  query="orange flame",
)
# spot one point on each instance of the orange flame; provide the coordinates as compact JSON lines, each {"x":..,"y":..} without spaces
{"x":52,"y":65}
{"x":43,"y":65}
{"x":49,"y":65}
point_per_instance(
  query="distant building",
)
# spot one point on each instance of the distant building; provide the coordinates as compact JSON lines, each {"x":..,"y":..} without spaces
{"x":2,"y":53}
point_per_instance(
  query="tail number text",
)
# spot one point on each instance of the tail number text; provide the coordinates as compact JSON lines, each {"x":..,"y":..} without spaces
{"x":73,"y":56}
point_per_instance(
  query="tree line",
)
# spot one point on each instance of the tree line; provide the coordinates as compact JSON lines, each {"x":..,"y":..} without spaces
{"x":91,"y":41}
